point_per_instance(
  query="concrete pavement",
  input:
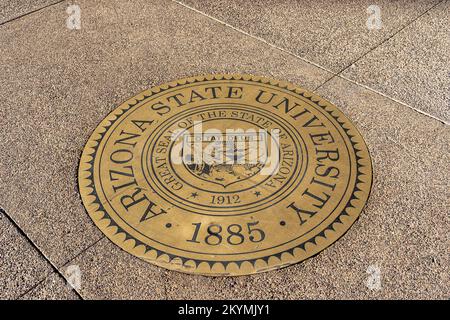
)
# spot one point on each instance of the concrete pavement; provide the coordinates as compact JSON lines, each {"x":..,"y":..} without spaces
{"x":58,"y":84}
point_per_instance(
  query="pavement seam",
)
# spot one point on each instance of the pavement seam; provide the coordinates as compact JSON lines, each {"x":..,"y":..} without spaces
{"x":54,"y":268}
{"x":390,"y":37}
{"x":30,"y":12}
{"x":67,"y":262}
{"x":83,"y":251}
{"x":166,"y":275}
{"x":253,"y":36}
{"x":338,"y":74}
{"x":393,"y":99}
{"x":324,"y":83}
{"x":34,"y":286}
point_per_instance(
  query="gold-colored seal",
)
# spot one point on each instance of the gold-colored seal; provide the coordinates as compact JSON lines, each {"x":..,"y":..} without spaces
{"x":225,"y":175}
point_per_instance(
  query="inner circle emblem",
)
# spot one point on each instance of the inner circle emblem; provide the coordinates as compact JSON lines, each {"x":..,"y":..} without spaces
{"x":225,"y":175}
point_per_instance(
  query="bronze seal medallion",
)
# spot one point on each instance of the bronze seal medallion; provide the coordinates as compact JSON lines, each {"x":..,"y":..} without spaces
{"x":225,"y":175}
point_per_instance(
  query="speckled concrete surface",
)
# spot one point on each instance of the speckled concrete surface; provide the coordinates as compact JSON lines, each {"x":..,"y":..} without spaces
{"x":54,"y":287}
{"x":21,"y":265}
{"x":413,"y":67}
{"x":59,"y":83}
{"x":111,"y":273}
{"x":11,"y":9}
{"x":332,"y":34}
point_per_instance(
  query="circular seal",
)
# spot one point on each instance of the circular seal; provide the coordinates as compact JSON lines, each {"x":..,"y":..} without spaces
{"x":225,"y":175}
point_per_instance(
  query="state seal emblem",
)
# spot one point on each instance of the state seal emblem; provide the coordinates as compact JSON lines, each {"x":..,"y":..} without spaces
{"x":225,"y":175}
